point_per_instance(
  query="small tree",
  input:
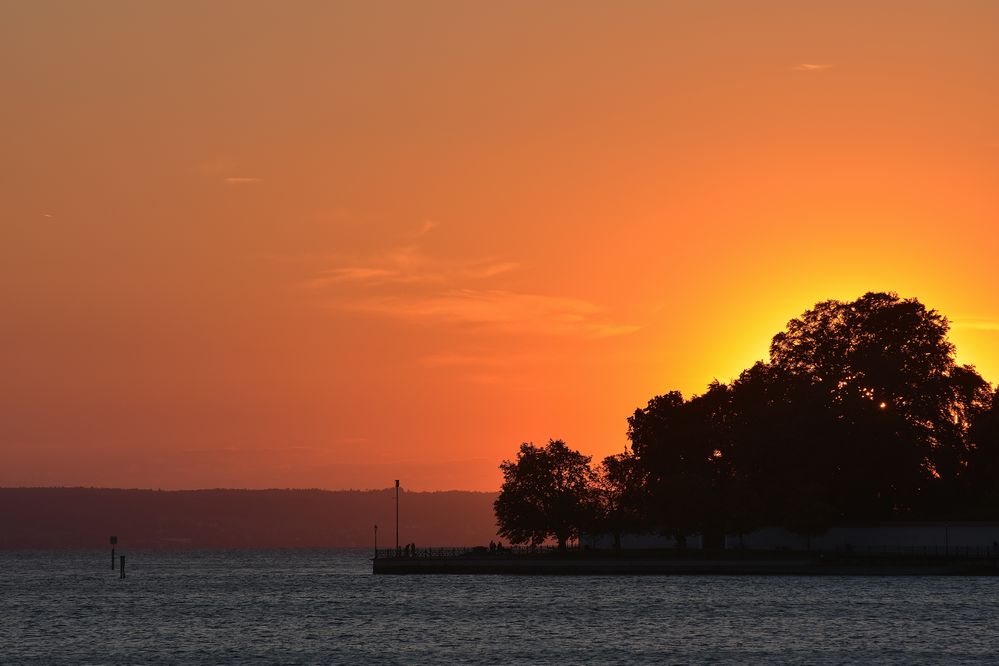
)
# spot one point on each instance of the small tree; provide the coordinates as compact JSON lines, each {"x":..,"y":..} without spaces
{"x":545,"y":494}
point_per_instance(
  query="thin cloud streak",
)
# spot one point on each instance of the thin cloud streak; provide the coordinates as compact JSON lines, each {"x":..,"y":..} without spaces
{"x":491,"y":270}
{"x":500,"y":311}
{"x":441,"y":292}
{"x":408,"y":265}
{"x":353,"y":274}
{"x":811,"y":67}
{"x":241,"y":180}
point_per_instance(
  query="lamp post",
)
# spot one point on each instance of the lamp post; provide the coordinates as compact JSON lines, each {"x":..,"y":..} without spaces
{"x":397,"y":551}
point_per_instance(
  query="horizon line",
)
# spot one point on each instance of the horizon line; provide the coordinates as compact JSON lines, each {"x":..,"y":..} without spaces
{"x":269,"y":489}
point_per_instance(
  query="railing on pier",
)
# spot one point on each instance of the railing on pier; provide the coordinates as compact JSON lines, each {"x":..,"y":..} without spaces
{"x":483,"y":551}
{"x":961,"y":552}
{"x":934,"y":552}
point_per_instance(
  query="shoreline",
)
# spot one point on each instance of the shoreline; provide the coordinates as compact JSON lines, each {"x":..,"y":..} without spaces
{"x":686,"y":564}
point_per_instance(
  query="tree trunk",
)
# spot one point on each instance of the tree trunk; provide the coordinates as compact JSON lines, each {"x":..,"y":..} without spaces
{"x":617,"y":540}
{"x":561,"y":542}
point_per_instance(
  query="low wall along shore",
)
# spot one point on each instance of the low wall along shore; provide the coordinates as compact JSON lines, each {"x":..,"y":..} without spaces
{"x":696,"y":562}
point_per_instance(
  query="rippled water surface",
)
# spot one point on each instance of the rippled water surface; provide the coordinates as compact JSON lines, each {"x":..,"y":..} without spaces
{"x":324,"y":606}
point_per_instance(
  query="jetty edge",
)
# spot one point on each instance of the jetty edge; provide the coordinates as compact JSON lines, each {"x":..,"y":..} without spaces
{"x":683,"y":563}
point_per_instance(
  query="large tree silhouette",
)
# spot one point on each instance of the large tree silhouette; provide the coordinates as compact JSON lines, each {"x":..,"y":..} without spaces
{"x":882,"y":380}
{"x":546,"y":494}
{"x":862,"y":413}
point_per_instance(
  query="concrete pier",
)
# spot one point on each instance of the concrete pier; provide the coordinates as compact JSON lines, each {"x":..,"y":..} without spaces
{"x":680,"y":564}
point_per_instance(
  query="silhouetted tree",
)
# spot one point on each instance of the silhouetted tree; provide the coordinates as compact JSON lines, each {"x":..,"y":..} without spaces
{"x":617,"y":496}
{"x":679,"y":449}
{"x":981,"y":489}
{"x":546,"y":493}
{"x":883,"y":376}
{"x":861,"y":413}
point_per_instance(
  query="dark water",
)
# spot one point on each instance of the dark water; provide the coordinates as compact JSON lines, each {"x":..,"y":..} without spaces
{"x":289,"y":607}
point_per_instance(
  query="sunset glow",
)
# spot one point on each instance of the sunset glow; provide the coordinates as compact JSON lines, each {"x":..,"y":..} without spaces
{"x":245,"y":245}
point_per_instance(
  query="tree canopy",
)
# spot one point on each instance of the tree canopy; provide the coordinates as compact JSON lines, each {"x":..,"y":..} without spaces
{"x":546,"y":493}
{"x":861,"y":414}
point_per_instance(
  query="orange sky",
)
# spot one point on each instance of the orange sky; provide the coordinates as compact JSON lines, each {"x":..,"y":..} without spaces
{"x":331,"y":244}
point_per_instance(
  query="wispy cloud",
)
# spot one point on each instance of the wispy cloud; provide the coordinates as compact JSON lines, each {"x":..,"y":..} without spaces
{"x":810,"y":67}
{"x":407,"y":265}
{"x":407,"y":283}
{"x":352,"y":274}
{"x":427,"y":227}
{"x":241,"y":180}
{"x":977,"y":323}
{"x":490,"y":269}
{"x":500,"y":311}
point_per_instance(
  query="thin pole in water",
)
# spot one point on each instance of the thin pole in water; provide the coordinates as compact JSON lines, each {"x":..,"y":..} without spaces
{"x":113,"y":540}
{"x":397,"y":517}
{"x":121,"y":566}
{"x":376,"y":542}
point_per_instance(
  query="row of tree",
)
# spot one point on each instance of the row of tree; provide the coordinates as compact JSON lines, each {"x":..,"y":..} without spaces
{"x":861,"y":414}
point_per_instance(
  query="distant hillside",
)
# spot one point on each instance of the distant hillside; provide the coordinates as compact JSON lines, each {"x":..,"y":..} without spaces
{"x":85,"y":517}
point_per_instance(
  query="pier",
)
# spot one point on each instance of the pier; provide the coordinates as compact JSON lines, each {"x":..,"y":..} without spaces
{"x":677,"y":562}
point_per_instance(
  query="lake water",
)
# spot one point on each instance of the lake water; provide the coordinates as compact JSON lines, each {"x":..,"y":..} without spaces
{"x":324,"y":606}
